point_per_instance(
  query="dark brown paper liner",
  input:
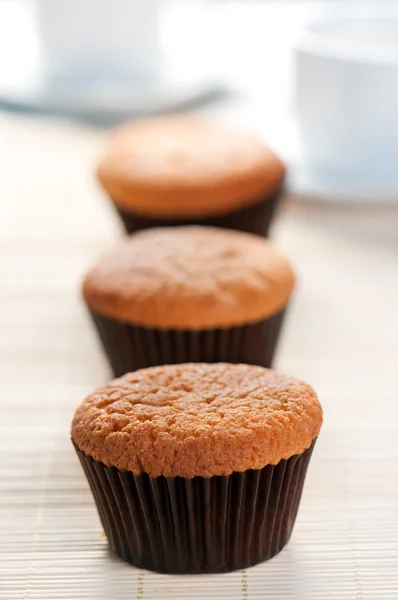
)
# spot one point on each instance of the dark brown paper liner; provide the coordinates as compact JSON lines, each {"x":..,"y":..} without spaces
{"x":198,"y":525}
{"x":129,"y":347}
{"x":253,"y":219}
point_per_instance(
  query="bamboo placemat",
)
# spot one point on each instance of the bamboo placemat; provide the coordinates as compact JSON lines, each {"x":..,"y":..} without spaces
{"x":341,"y":335}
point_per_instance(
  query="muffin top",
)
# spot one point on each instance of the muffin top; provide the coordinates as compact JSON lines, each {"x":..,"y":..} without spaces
{"x":185,"y":166}
{"x":189,"y":278}
{"x":197,"y":420}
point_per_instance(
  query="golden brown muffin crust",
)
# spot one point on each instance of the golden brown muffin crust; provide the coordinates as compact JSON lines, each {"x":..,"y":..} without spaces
{"x":190,"y":278}
{"x":197,"y":420}
{"x":185,"y":166}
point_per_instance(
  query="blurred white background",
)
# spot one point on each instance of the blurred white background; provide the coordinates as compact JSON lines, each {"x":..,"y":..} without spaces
{"x":232,"y":58}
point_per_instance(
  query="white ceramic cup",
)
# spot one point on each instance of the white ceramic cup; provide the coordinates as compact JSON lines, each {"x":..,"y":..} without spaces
{"x":346,"y":95}
{"x":97,"y":39}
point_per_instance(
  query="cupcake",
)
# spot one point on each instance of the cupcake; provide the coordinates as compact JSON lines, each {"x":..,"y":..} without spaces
{"x":189,"y":294}
{"x":186,"y":170}
{"x":197,"y":467}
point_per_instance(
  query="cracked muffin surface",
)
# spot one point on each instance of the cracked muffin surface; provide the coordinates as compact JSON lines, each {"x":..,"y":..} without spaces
{"x":197,"y":419}
{"x":190,"y":278}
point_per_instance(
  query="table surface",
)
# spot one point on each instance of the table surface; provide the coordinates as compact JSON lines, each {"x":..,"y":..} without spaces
{"x":340,"y":335}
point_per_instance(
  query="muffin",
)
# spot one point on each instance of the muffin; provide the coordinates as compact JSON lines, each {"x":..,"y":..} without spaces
{"x":186,"y":170}
{"x":197,"y":467}
{"x":189,"y":294}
